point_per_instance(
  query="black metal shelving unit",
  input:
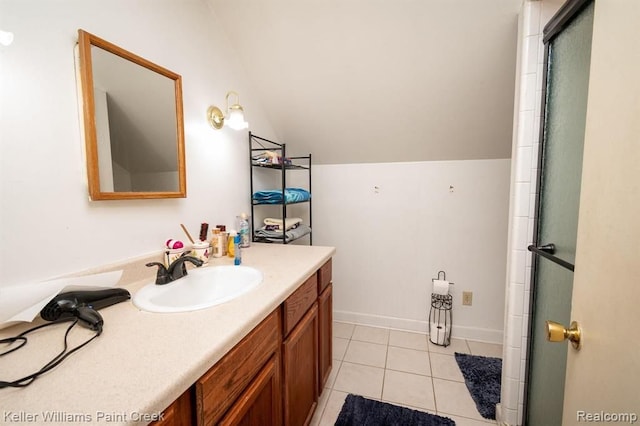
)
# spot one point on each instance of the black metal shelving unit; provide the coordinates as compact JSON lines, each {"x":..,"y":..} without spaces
{"x":258,"y":145}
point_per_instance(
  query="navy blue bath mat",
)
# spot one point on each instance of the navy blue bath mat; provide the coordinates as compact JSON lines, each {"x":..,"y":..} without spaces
{"x":359,"y":411}
{"x":482,"y":375}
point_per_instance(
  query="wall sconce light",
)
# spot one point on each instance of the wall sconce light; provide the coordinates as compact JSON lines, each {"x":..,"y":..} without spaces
{"x":6,"y":38}
{"x":234,"y":116}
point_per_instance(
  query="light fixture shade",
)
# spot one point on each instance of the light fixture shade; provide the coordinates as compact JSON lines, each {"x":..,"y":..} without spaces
{"x":235,"y":120}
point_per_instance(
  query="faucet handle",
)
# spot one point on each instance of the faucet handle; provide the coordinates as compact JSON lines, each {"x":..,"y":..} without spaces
{"x":162,"y":277}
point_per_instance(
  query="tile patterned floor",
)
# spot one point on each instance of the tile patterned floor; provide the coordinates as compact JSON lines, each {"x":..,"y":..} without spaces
{"x":401,"y":368}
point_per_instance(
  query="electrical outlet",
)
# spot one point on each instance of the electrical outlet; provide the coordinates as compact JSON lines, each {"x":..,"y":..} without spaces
{"x":467,"y":298}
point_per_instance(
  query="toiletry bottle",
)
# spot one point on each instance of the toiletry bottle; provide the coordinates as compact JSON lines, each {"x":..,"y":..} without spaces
{"x":216,"y":243}
{"x":225,"y":237}
{"x":213,"y":241}
{"x":237,"y":247}
{"x":204,"y":229}
{"x":222,"y":241}
{"x":231,"y":243}
{"x":243,"y":230}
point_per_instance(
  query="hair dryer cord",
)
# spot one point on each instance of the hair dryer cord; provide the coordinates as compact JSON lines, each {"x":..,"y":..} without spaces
{"x":27,"y":380}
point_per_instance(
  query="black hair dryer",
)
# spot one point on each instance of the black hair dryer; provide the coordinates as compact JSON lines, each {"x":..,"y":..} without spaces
{"x":84,"y":306}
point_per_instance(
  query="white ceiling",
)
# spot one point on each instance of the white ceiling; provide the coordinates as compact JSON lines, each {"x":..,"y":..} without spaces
{"x":380,"y":80}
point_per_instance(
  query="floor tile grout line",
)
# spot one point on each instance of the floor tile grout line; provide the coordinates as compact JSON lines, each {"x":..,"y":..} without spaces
{"x":324,"y":409}
{"x":330,"y":390}
{"x":364,"y":365}
{"x":384,"y":373}
{"x":433,"y":385}
{"x":325,"y":406}
{"x":408,"y":372}
{"x":371,"y":343}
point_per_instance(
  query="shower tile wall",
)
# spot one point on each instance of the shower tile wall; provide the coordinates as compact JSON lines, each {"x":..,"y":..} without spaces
{"x":534,"y":15}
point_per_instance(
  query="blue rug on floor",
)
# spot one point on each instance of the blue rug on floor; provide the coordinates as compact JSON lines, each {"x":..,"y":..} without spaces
{"x":359,"y":411}
{"x":482,"y":375}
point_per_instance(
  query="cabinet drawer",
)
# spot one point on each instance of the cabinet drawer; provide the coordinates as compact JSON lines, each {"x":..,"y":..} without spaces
{"x":324,"y":276}
{"x":299,"y":302}
{"x":217,"y":389}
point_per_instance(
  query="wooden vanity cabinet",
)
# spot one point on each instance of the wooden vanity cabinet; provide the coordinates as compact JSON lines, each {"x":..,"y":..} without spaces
{"x":275,"y":375}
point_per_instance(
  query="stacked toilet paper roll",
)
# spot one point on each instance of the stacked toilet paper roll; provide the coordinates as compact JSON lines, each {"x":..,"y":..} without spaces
{"x":438,"y":333}
{"x":441,"y":287}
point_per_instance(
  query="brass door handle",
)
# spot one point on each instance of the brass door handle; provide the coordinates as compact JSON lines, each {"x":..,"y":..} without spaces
{"x":557,"y":333}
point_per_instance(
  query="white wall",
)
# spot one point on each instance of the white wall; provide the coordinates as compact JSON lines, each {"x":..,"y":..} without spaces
{"x":48,"y":226}
{"x":395,"y":225}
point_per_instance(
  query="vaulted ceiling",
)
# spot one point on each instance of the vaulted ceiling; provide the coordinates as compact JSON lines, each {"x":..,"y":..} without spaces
{"x":381,"y":80}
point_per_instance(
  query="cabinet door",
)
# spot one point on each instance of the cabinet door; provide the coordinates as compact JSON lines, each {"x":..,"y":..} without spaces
{"x":325,"y":326}
{"x":261,"y":403}
{"x":300,"y":361}
{"x":180,"y":413}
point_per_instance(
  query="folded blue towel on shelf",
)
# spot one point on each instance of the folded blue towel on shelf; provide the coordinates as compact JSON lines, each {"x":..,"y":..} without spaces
{"x":274,"y":196}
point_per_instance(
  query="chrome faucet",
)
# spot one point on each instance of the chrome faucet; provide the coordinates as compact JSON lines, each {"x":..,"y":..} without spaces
{"x":176,"y":270}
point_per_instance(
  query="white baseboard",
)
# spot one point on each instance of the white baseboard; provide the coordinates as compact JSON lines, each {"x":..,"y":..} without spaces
{"x":460,"y":332}
{"x":478,"y":334}
{"x":380,"y":321}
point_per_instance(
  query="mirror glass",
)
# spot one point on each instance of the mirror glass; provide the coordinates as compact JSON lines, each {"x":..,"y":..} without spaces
{"x":133,"y":123}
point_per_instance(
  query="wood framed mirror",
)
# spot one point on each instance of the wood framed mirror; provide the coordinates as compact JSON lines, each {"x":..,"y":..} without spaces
{"x":133,"y":123}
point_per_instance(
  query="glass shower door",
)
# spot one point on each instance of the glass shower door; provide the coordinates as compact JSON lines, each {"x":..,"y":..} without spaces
{"x":567,"y":78}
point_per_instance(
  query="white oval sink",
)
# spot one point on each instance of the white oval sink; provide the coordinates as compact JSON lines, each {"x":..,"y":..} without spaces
{"x":200,"y":289}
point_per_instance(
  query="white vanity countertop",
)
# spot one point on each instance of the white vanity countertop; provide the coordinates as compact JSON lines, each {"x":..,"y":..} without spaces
{"x":143,"y":361}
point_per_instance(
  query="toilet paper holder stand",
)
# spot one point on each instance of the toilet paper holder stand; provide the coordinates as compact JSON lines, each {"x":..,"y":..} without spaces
{"x":440,"y":315}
